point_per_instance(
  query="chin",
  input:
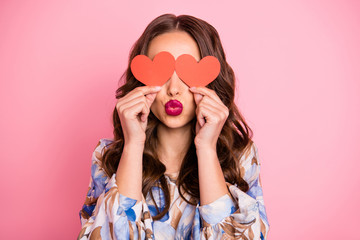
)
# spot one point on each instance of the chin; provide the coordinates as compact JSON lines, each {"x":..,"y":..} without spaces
{"x":175,"y":123}
{"x":178,"y":121}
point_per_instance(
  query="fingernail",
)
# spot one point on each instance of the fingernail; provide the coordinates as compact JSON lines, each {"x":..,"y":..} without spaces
{"x":192,"y":88}
{"x":157,"y":88}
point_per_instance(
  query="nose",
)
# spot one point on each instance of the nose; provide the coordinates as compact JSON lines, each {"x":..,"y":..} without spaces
{"x":175,"y":85}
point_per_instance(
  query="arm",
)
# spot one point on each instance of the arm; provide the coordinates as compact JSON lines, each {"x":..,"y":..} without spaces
{"x":211,"y":178}
{"x":130,"y":167}
{"x":97,"y":183}
{"x":109,"y":214}
{"x":236,"y":213}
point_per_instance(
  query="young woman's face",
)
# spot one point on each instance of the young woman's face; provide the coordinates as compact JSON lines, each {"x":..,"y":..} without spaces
{"x":176,"y":43}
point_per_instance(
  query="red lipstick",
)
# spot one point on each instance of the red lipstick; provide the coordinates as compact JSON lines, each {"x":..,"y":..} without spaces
{"x":173,"y":107}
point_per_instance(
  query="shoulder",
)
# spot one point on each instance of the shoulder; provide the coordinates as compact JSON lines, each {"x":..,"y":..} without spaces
{"x":101,"y":146}
{"x":249,"y":162}
{"x":249,"y":153}
{"x":97,"y":171}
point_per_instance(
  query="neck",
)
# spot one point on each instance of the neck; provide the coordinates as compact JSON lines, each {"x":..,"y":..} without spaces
{"x":173,"y":144}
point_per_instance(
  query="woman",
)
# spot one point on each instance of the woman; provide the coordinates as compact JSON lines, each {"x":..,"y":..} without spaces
{"x":176,"y":173}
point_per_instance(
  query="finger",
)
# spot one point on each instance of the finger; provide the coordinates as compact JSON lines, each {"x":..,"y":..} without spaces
{"x":207,"y":115}
{"x":211,"y":104}
{"x":134,"y":111}
{"x":201,"y":119}
{"x":144,"y":111}
{"x":150,"y":98}
{"x":144,"y":117}
{"x":197,"y":98}
{"x":122,"y":106}
{"x":140,"y":91}
{"x":149,"y":89}
{"x":207,"y":92}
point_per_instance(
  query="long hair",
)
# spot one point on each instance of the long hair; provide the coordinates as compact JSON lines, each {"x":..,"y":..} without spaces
{"x":233,"y":140}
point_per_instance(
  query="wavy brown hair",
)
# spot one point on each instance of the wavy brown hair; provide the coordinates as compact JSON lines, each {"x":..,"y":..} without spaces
{"x":234,"y":138}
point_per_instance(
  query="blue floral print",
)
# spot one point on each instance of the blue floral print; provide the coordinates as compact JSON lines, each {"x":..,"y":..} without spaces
{"x":107,"y":214}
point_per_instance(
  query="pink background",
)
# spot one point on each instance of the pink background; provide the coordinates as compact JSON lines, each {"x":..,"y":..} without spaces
{"x":297,"y":66}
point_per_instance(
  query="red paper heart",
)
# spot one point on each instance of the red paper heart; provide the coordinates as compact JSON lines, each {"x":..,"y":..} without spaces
{"x":197,"y":74}
{"x":156,"y":72}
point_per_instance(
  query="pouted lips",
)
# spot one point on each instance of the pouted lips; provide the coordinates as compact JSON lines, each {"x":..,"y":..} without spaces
{"x":173,"y":107}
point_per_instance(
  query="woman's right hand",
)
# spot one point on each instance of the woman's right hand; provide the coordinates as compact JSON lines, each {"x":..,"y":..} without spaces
{"x":133,"y":110}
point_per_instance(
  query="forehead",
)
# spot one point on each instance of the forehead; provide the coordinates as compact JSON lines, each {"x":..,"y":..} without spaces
{"x":177,"y":43}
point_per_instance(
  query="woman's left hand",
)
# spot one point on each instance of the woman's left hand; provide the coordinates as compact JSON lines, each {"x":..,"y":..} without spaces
{"x":211,"y":116}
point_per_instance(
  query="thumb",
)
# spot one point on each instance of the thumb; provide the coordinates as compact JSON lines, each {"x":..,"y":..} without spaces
{"x":197,"y":98}
{"x":150,"y":98}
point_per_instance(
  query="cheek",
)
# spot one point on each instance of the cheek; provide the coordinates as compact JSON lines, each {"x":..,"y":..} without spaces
{"x":154,"y":107}
{"x":192,"y":105}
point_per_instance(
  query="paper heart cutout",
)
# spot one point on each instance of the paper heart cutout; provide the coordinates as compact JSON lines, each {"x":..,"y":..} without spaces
{"x":195,"y":73}
{"x":155,"y":72}
{"x":191,"y":72}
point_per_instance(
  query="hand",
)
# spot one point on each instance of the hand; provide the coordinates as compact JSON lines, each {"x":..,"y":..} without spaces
{"x":133,"y":110}
{"x":211,"y":116}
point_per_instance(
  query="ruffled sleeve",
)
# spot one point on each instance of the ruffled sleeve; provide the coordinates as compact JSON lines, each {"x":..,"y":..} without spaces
{"x":237,"y":214}
{"x":107,"y":214}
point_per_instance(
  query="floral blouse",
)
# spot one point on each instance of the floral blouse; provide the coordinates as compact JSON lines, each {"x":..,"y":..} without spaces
{"x":107,"y":214}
